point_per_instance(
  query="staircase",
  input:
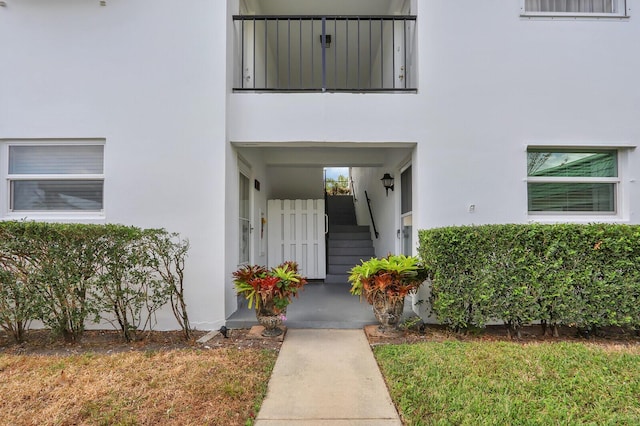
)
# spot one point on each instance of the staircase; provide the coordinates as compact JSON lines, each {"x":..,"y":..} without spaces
{"x":348,"y":243}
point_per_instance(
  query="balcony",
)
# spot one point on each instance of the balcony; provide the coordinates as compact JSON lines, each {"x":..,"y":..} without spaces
{"x":332,"y":53}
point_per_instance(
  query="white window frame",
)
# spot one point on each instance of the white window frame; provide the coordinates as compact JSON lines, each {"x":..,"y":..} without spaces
{"x":621,"y":210}
{"x":54,"y":215}
{"x":245,"y":169}
{"x":623,"y":10}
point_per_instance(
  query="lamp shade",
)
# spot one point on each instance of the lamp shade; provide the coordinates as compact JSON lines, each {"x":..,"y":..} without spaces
{"x":387,"y":180}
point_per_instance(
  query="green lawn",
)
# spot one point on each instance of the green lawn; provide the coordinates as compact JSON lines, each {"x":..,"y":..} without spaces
{"x":499,"y":383}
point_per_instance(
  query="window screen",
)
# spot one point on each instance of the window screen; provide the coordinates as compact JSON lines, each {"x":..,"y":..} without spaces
{"x":56,"y":177}
{"x":569,"y":181}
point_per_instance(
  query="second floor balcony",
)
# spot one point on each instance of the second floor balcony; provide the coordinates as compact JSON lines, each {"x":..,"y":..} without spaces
{"x":325,"y":53}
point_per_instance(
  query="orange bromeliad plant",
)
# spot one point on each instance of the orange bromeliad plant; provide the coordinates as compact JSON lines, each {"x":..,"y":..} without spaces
{"x":394,"y":276}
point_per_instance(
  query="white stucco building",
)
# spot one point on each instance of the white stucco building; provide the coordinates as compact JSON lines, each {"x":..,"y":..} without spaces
{"x":192,"y":115}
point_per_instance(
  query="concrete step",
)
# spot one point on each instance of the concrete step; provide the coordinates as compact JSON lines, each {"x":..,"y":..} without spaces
{"x":349,"y":228}
{"x":364,"y":252}
{"x":342,"y":220}
{"x":349,"y":243}
{"x":340,"y":200}
{"x":340,"y":269}
{"x":346,"y":260}
{"x":336,"y":279}
{"x":349,"y":236}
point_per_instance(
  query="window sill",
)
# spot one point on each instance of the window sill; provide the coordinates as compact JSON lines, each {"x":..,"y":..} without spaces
{"x":89,"y":217}
{"x":573,"y":16}
{"x":573,"y":218}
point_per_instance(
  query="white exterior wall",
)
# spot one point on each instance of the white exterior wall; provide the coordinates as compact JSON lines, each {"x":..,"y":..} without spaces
{"x":146,"y":77}
{"x":490,"y":84}
{"x":496,"y":87}
{"x":153,"y":78}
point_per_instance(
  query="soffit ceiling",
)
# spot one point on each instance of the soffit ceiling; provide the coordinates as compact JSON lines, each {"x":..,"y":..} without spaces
{"x":324,"y":7}
{"x":298,"y":156}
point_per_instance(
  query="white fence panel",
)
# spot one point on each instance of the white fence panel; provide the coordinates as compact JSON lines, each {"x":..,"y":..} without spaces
{"x":296,"y":231}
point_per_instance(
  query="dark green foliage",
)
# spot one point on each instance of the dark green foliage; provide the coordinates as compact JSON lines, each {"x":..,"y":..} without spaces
{"x":587,"y":276}
{"x":65,"y":274}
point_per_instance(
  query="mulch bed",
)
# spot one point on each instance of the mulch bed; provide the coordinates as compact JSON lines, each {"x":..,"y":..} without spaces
{"x":529,"y":334}
{"x":43,"y":342}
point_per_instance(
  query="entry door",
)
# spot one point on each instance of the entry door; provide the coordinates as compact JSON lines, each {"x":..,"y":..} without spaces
{"x":296,"y":231}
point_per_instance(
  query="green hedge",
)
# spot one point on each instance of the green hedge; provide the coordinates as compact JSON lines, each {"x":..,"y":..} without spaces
{"x":587,"y":276}
{"x":67,"y":274}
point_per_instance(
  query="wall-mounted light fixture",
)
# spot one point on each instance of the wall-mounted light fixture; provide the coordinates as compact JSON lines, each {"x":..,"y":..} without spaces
{"x":387,"y":181}
{"x":325,"y":40}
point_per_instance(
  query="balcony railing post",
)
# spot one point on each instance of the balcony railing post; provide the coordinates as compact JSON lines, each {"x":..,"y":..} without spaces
{"x":277,"y":53}
{"x":335,"y":52}
{"x":404,"y":60}
{"x":381,"y":53}
{"x":323,"y":42}
{"x":266,"y":54}
{"x":313,"y":69}
{"x":300,"y":53}
{"x":242,"y":57}
{"x":393,"y":53}
{"x":289,"y":53}
{"x":253,"y":74}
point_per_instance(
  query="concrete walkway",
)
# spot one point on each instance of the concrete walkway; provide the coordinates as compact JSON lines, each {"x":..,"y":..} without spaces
{"x":327,"y":377}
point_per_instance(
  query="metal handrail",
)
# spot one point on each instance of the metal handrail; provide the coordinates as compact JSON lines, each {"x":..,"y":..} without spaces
{"x":329,"y":17}
{"x":373,"y":222}
{"x":352,"y":185}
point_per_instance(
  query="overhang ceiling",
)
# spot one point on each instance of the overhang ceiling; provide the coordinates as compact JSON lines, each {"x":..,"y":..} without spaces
{"x":330,"y":155}
{"x":324,"y":7}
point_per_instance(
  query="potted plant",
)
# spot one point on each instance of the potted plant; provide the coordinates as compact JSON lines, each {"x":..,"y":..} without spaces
{"x":384,"y":283}
{"x":270,"y":291}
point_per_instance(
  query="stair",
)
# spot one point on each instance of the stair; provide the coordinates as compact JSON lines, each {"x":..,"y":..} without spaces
{"x":348,"y":243}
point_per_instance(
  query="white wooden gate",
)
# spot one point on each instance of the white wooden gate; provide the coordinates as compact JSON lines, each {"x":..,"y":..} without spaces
{"x":296,"y":231}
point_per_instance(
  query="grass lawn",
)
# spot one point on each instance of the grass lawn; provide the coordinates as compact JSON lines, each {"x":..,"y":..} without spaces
{"x":179,"y":387}
{"x":502,"y":383}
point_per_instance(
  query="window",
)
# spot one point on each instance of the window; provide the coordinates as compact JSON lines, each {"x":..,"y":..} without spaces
{"x":406,"y":208}
{"x":575,"y":7}
{"x":244,"y":216}
{"x":55,"y":178}
{"x":572,"y":181}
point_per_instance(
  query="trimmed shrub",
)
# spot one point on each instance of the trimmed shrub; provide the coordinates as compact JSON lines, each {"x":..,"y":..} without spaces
{"x":168,"y":253}
{"x":65,"y":274}
{"x":586,"y":276}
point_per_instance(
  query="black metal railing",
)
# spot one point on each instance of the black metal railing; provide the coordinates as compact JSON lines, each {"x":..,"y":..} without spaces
{"x":373,"y":222}
{"x":325,"y":53}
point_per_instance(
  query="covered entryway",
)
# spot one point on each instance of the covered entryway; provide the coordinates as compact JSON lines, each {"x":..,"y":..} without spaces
{"x":288,"y":221}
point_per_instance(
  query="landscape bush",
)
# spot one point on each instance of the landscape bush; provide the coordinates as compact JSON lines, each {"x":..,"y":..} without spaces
{"x":66,"y":274}
{"x":586,"y":276}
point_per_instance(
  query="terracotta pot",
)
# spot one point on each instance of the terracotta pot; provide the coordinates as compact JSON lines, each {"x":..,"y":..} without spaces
{"x":269,"y":319}
{"x":388,"y":312}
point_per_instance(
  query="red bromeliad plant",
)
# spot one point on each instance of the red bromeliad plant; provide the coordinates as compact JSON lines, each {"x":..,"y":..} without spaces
{"x":269,"y":287}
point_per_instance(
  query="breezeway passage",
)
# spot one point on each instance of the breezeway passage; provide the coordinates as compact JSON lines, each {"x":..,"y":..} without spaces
{"x":327,"y":377}
{"x":320,"y":306}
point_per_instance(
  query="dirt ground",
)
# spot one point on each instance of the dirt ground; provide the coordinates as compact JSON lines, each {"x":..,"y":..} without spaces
{"x":42,"y":342}
{"x":529,"y":334}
